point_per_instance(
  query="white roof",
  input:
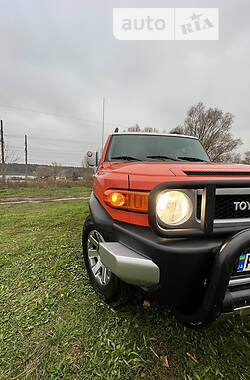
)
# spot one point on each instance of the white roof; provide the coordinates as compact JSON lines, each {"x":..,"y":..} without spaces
{"x":153,"y":134}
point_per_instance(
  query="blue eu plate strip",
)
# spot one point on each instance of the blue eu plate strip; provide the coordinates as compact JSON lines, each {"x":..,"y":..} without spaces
{"x":241,"y":263}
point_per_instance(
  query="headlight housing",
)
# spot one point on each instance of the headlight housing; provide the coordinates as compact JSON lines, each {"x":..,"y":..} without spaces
{"x":173,"y":207}
{"x":127,"y":200}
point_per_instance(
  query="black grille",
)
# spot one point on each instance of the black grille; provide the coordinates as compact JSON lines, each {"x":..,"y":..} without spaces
{"x":225,"y":207}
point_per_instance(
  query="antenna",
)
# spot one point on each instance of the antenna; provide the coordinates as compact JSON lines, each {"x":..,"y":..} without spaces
{"x":103,"y":121}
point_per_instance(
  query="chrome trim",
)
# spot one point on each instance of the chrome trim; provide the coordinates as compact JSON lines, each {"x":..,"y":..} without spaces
{"x":239,"y":281}
{"x":242,"y":307}
{"x":128,"y":265}
{"x":226,"y":222}
{"x":233,"y":221}
{"x":234,"y":191}
{"x":229,"y":191}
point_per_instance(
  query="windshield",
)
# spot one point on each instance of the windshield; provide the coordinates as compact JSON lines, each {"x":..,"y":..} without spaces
{"x":155,"y":148}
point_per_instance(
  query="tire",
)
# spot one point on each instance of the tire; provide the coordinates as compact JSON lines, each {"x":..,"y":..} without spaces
{"x":108,"y":286}
{"x":183,"y":318}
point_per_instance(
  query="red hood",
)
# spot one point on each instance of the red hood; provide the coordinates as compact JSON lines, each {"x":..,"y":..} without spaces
{"x":140,"y":168}
{"x":146,"y":175}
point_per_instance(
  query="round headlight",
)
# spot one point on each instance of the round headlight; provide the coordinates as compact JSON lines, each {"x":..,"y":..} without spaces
{"x":173,"y":207}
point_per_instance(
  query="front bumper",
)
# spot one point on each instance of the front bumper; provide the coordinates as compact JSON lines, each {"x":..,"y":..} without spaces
{"x":128,"y":265}
{"x":218,"y":291}
{"x":193,"y":274}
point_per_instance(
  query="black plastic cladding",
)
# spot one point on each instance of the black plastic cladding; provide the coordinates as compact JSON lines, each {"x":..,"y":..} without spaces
{"x":207,"y":207}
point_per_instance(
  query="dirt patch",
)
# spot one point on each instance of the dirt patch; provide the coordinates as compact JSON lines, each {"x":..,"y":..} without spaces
{"x":40,"y":200}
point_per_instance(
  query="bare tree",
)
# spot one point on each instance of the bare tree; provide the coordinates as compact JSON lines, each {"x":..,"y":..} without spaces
{"x":11,"y":157}
{"x":75,"y":175}
{"x":53,"y":171}
{"x":178,"y":130}
{"x":246,"y":159}
{"x":232,"y":158}
{"x":213,"y":128}
{"x":42,"y":172}
{"x":56,"y":171}
{"x":137,"y":128}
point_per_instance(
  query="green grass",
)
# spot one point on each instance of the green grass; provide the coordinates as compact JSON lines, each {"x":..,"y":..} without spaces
{"x":53,"y":326}
{"x":49,"y":192}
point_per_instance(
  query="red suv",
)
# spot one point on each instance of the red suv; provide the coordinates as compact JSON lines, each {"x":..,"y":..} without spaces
{"x":167,"y":220}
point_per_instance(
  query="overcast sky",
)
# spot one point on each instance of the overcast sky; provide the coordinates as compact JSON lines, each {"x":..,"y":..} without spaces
{"x":58,"y":58}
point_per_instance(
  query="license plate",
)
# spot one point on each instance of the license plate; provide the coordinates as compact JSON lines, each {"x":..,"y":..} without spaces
{"x":244,"y":263}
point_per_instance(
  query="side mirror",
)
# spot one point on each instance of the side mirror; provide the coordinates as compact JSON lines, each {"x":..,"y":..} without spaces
{"x":92,"y":159}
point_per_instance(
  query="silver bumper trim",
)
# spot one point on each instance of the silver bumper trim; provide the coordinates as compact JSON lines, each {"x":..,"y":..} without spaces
{"x":242,"y":308}
{"x":239,"y":281}
{"x":128,"y":265}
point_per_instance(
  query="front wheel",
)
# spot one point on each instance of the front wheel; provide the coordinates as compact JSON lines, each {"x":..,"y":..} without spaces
{"x":183,"y":317}
{"x":109,"y":287}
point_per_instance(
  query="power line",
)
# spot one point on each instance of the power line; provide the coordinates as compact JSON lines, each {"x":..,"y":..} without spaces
{"x":72,"y":117}
{"x":52,"y":151}
{"x":49,"y":113}
{"x":79,"y":141}
{"x":45,"y":151}
{"x":48,"y":150}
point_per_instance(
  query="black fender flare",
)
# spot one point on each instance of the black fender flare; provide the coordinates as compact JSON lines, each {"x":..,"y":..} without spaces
{"x":99,"y":215}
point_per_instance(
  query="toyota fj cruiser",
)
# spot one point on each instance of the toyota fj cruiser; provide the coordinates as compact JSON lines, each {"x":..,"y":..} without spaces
{"x":166,"y":219}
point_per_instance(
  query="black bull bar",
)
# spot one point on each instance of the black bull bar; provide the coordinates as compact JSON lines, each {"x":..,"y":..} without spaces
{"x":217,"y":296}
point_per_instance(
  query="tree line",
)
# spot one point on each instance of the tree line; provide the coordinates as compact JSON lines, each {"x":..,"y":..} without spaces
{"x":44,"y":171}
{"x":214,"y":129}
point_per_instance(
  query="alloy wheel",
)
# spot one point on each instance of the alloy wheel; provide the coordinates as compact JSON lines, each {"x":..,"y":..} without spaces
{"x":100,"y":272}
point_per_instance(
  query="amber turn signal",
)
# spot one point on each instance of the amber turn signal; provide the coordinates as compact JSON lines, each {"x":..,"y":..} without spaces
{"x":127,"y":200}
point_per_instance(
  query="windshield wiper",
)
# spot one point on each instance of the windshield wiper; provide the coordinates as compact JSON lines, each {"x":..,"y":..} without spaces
{"x":164,"y":157}
{"x":127,"y":158}
{"x":195,"y":159}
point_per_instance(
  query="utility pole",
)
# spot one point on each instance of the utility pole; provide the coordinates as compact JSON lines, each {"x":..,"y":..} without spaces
{"x":3,"y":155}
{"x":26,"y":156}
{"x":103,"y":121}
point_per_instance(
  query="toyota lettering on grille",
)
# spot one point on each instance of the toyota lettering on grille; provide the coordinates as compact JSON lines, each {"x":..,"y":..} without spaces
{"x":241,"y":206}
